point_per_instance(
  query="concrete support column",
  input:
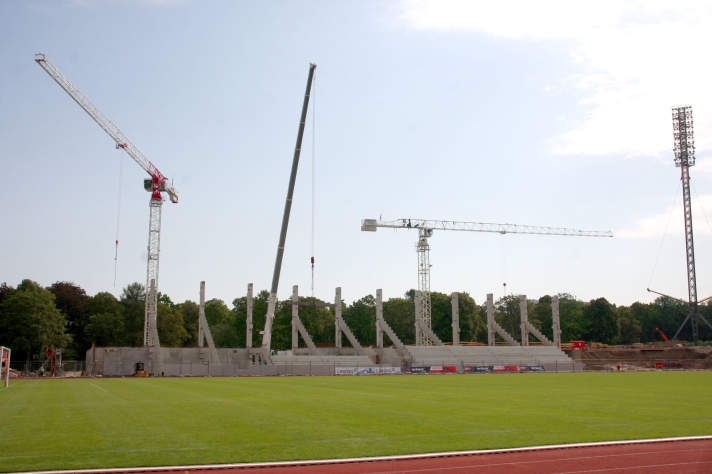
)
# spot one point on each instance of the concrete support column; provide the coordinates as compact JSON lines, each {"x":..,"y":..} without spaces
{"x":379,"y":318}
{"x":555,"y":321}
{"x":418,"y":319}
{"x":337,"y":318}
{"x":248,"y":331}
{"x":524,"y":319}
{"x":490,"y":320}
{"x":295,"y":316}
{"x":455,"y":300}
{"x":201,"y":314}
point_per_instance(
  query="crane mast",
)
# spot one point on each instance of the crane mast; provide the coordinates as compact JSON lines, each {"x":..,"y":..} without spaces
{"x":425,"y":229}
{"x":156,"y":185}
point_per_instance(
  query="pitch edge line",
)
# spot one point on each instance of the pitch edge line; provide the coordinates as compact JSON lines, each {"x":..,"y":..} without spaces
{"x":404,"y":457}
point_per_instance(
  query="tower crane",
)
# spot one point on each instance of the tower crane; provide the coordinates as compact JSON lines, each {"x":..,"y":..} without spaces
{"x":156,"y":185}
{"x":425,"y":230}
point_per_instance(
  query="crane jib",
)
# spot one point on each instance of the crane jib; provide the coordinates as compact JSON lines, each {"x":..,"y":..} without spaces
{"x":156,"y":185}
{"x":108,"y":126}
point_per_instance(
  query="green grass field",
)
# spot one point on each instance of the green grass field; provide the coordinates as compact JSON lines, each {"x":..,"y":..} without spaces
{"x":71,"y":424}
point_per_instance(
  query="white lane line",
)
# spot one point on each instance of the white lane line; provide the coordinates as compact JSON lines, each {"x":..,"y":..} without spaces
{"x":318,"y":462}
{"x":100,"y":388}
{"x":530,"y":462}
{"x":636,"y":468}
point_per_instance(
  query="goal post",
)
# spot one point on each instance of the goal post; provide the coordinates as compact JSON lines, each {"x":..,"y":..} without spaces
{"x":5,"y":366}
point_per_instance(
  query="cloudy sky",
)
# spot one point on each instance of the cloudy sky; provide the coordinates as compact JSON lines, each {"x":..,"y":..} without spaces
{"x":542,"y":113}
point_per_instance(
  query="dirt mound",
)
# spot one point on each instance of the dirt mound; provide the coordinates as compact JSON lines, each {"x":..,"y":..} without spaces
{"x":647,"y":357}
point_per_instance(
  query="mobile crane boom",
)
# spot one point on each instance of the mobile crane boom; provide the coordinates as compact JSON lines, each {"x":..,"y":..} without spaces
{"x":272,"y":301}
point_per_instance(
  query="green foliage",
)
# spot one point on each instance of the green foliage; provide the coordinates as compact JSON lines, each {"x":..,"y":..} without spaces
{"x":601,"y":323}
{"x":470,"y":320}
{"x":399,"y":313}
{"x":541,"y":312}
{"x":190,"y":310}
{"x":318,"y":320}
{"x":628,"y":326}
{"x":71,"y":300}
{"x":508,"y":316}
{"x":667,"y":314}
{"x":573,"y":326}
{"x":133,"y":310}
{"x":29,"y":320}
{"x":171,"y":328}
{"x":106,"y":329}
{"x":106,"y":326}
{"x":360,"y":316}
{"x":222,"y":323}
{"x":110,"y":322}
{"x":441,"y":311}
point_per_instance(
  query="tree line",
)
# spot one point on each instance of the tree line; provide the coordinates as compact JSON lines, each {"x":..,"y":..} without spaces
{"x":63,"y":315}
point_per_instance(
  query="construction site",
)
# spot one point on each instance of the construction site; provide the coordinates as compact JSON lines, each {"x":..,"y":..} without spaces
{"x":533,"y":352}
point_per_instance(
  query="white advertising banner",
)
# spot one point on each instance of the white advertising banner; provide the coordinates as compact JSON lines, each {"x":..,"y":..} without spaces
{"x":367,"y":370}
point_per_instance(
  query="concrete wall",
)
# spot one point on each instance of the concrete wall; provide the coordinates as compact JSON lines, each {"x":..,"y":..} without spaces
{"x":188,"y":361}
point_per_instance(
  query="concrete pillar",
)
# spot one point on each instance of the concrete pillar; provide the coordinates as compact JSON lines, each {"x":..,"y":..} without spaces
{"x":490,"y":320}
{"x":379,"y":318}
{"x":455,"y":300}
{"x":418,"y":318}
{"x":248,"y":331}
{"x":555,"y":321}
{"x":524,"y":319}
{"x":201,"y":314}
{"x":295,"y":315}
{"x":337,"y":317}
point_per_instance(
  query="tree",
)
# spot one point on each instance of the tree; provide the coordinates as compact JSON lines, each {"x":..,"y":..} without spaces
{"x":541,"y":311}
{"x":647,"y":316}
{"x":105,"y":329}
{"x":601,"y":323}
{"x":190,"y":309}
{"x":5,"y":290}
{"x":319,"y":320}
{"x":259,"y":310}
{"x":628,"y":327}
{"x":573,"y":326}
{"x":216,"y":312}
{"x":472,"y":325}
{"x":171,"y":328}
{"x":706,"y":312}
{"x":360,"y":316}
{"x":105,"y":326}
{"x":29,"y":320}
{"x":221,"y":322}
{"x":133,"y":300}
{"x":71,"y":300}
{"x":399,"y":313}
{"x":441,"y":315}
{"x":668,"y":314}
{"x":163,"y":298}
{"x":508,"y":316}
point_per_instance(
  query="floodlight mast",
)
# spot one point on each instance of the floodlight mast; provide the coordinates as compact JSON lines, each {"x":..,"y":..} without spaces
{"x":156,"y":185}
{"x":684,"y":150}
{"x":272,"y":301}
{"x":425,"y":229}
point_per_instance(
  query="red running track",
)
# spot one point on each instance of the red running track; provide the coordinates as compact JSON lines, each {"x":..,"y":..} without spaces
{"x":653,"y":457}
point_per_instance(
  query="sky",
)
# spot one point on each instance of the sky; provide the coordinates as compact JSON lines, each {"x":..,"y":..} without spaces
{"x":551,"y":113}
